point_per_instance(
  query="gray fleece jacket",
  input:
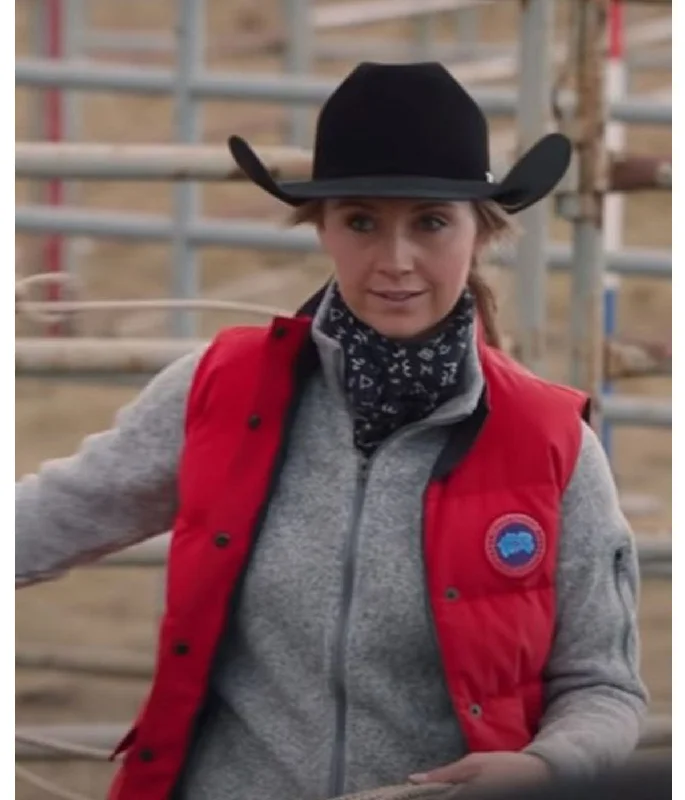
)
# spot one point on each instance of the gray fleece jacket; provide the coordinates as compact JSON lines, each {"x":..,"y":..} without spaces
{"x":329,"y":679}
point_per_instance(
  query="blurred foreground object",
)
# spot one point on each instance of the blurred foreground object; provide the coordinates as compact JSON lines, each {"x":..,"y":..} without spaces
{"x":648,"y":778}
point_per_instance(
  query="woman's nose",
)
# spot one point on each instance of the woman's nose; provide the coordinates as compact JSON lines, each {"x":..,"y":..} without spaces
{"x":395,"y":255}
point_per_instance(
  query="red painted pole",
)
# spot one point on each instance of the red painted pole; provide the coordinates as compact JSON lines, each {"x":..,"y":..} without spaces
{"x":54,"y":132}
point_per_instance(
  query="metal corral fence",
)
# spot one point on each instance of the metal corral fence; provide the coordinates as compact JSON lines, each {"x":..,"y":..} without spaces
{"x":191,"y":83}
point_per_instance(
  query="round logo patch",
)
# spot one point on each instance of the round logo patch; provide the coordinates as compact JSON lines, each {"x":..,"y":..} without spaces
{"x":515,"y":545}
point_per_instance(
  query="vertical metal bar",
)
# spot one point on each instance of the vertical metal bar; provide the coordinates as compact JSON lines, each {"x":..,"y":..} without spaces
{"x":54,"y":132}
{"x":424,"y":29}
{"x":616,"y":84}
{"x":73,"y":23}
{"x":535,"y":40}
{"x":190,"y":46}
{"x":298,"y":61}
{"x":587,"y":329}
{"x":467,"y":27}
{"x":37,"y":256}
{"x":37,"y":128}
{"x":610,"y":310}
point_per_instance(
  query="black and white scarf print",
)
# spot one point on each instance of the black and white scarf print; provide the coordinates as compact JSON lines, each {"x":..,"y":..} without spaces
{"x":391,"y":383}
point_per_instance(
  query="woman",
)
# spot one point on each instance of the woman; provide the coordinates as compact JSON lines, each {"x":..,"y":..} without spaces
{"x":395,"y":552}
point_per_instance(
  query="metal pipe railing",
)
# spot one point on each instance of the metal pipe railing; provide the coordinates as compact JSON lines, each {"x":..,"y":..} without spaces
{"x":272,"y":88}
{"x":266,"y":236}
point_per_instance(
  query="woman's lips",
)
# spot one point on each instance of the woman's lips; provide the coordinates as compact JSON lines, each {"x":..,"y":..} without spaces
{"x":396,"y":296}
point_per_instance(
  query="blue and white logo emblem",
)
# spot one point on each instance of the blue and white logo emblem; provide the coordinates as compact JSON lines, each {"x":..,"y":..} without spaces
{"x":515,"y":545}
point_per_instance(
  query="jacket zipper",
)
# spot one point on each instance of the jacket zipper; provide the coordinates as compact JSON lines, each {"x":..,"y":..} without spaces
{"x":336,"y":785}
{"x":337,"y":773}
{"x":619,"y":579}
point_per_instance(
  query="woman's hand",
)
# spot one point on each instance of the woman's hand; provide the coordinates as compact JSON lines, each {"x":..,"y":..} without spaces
{"x":489,"y":768}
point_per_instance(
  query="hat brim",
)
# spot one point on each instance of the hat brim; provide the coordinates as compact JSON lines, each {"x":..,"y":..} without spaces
{"x":533,"y":177}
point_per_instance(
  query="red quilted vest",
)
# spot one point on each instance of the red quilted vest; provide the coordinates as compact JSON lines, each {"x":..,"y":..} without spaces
{"x":490,"y":541}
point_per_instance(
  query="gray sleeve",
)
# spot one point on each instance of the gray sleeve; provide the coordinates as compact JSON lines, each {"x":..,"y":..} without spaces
{"x":595,"y":699}
{"x":117,"y":489}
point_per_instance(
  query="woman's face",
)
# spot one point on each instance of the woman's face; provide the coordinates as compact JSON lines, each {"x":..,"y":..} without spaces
{"x":401,"y":265}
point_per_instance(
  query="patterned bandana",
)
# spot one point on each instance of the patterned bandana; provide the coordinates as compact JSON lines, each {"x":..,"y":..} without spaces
{"x":392,"y":383}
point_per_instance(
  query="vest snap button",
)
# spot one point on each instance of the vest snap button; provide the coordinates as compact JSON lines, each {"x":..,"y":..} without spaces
{"x":181,"y":648}
{"x":254,"y":422}
{"x":280,"y":331}
{"x":452,"y":593}
{"x":222,"y":539}
{"x":475,"y":710}
{"x":146,"y":755}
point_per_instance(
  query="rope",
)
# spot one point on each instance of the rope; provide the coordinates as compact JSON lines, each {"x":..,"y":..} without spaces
{"x":52,"y":311}
{"x":409,"y":791}
{"x":21,"y":289}
{"x":90,"y":753}
{"x":46,"y":786}
{"x":405,"y":792}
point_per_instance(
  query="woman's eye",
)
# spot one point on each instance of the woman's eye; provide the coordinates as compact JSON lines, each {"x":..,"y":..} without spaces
{"x":431,"y":222}
{"x":360,"y":223}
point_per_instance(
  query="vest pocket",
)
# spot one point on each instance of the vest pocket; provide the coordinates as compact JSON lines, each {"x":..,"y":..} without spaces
{"x":495,"y":723}
{"x":125,"y":744}
{"x":510,"y":715}
{"x":626,"y":596}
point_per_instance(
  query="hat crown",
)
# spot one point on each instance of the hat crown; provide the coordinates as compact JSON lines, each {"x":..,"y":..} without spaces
{"x":401,"y":119}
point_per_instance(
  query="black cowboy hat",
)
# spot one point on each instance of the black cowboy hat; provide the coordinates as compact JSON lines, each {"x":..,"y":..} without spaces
{"x":409,"y":131}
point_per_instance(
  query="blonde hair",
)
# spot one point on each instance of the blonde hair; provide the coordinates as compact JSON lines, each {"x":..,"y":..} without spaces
{"x":494,"y":226}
